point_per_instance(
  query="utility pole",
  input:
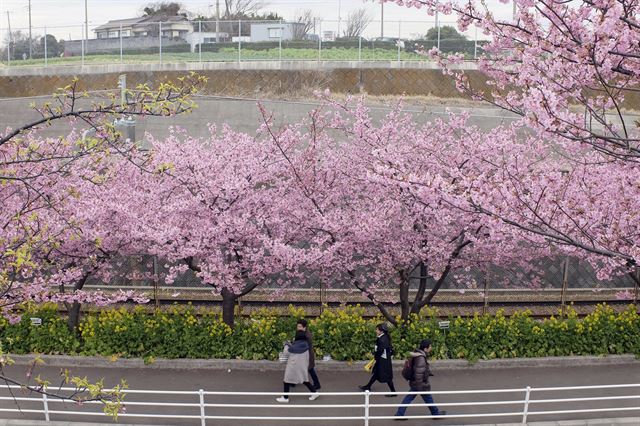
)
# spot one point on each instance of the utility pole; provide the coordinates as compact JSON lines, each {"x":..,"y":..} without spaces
{"x":217,"y":21}
{"x":30,"y":35}
{"x":515,"y":9}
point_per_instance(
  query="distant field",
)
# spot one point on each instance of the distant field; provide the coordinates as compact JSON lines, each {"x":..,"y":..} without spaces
{"x":231,"y":54}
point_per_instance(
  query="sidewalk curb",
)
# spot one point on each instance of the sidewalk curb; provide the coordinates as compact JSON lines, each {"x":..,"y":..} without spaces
{"x":64,"y":361}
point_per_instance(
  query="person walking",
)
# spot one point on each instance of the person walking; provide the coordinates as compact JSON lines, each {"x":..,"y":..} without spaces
{"x":420,"y":381}
{"x":297,"y":370}
{"x":302,"y":326}
{"x":382,"y":369}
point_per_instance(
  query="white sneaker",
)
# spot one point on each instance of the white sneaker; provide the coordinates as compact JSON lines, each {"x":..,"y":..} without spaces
{"x":282,"y":400}
{"x":314,"y":396}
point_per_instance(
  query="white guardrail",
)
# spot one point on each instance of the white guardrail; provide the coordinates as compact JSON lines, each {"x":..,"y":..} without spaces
{"x":200,"y":406}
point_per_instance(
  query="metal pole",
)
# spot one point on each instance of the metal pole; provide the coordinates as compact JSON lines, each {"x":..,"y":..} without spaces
{"x":121,"y":58}
{"x":46,"y":405}
{"x":637,"y":287}
{"x":30,"y":36}
{"x":45,"y":46}
{"x":160,"y":40}
{"x":359,"y":48}
{"x":485,"y":296}
{"x":381,"y":19}
{"x":200,"y":39}
{"x":525,"y":412}
{"x":319,"y":40}
{"x":239,"y":41}
{"x":515,"y":9}
{"x":280,"y":43}
{"x":83,"y":47}
{"x":399,"y":37}
{"x":366,"y":408}
{"x":203,"y":418}
{"x":565,"y":284}
{"x":86,"y":20}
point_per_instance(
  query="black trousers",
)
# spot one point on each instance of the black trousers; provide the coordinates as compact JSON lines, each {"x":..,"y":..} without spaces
{"x":314,"y":377}
{"x":374,"y":378}
{"x":287,"y":388}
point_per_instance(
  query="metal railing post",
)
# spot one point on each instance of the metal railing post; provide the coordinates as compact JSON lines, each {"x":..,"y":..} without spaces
{"x":45,"y":403}
{"x":366,"y":408}
{"x":160,"y":40}
{"x":121,"y":57}
{"x":239,"y":40}
{"x":203,"y":419}
{"x":525,"y":412}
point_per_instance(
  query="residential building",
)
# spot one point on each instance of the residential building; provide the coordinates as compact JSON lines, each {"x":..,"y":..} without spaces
{"x":171,"y":26}
{"x":273,"y":31}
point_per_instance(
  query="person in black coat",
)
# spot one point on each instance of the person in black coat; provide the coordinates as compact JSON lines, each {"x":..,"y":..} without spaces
{"x":382,"y":369}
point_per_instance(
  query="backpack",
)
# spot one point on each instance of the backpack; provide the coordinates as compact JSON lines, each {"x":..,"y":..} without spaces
{"x":407,"y":369}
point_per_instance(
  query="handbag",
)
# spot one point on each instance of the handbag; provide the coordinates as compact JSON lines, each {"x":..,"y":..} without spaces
{"x":368,"y":367}
{"x":284,"y":355}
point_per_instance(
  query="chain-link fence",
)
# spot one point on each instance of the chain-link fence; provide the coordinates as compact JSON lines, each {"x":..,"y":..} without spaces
{"x":177,"y":39}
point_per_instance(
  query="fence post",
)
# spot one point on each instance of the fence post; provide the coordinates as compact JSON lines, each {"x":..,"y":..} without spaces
{"x":525,"y":412}
{"x":121,"y":58}
{"x":280,"y":43}
{"x":203,"y":419}
{"x":319,"y":40}
{"x":399,"y":38}
{"x":360,"y":48}
{"x":366,"y":408}
{"x":565,"y":284}
{"x":45,"y":47}
{"x":239,"y":40}
{"x":45,"y":403}
{"x":160,"y":40}
{"x":200,"y":39}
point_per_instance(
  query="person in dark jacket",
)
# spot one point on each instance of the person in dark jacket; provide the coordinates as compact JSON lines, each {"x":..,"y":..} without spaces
{"x":382,"y":369}
{"x":302,"y":326}
{"x":420,"y":381}
{"x":297,"y":370}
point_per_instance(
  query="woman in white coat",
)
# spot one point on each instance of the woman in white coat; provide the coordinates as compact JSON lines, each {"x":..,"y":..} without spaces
{"x":297,"y":371}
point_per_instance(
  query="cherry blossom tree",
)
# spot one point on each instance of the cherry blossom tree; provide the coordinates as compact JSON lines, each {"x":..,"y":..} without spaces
{"x":362,"y":217}
{"x":570,"y":71}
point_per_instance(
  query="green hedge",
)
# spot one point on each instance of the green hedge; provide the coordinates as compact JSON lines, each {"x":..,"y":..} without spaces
{"x":185,"y":332}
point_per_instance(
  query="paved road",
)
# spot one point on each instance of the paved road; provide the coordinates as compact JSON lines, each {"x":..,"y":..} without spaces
{"x":241,"y":115}
{"x":270,"y":381}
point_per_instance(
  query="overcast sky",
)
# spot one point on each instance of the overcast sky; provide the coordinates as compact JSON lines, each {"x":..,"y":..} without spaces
{"x":64,"y":19}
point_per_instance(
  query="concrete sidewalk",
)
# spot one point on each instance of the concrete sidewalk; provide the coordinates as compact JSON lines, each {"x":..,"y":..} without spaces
{"x":250,"y":376}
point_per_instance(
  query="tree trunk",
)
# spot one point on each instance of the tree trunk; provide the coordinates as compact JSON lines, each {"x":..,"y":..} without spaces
{"x":405,"y":308}
{"x":73,"y":321}
{"x":228,"y":307}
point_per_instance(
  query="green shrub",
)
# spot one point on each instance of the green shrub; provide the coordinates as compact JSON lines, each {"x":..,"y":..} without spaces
{"x":185,"y":332}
